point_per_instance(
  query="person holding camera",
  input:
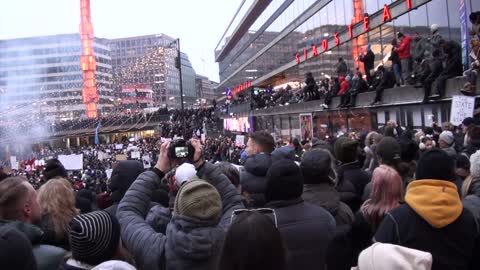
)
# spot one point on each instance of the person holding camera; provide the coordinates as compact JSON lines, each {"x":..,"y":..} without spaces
{"x":202,"y":212}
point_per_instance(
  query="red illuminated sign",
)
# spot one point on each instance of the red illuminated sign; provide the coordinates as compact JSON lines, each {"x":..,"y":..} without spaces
{"x":88,"y":63}
{"x":359,"y":16}
{"x":242,"y":87}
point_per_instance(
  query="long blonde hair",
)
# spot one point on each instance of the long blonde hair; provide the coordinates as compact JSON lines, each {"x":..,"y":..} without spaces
{"x":57,"y":198}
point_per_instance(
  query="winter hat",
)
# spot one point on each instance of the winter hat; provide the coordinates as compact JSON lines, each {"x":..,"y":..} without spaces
{"x":346,"y":149}
{"x":94,"y":237}
{"x":284,"y":181}
{"x":400,"y":35}
{"x":389,"y":150}
{"x":475,"y":165}
{"x":284,"y":152}
{"x":388,"y":256}
{"x":447,"y":136}
{"x":123,"y":175}
{"x":316,"y":167}
{"x":114,"y":265}
{"x":468,"y":121}
{"x":436,"y":164}
{"x":15,"y":250}
{"x":54,"y":168}
{"x":184,"y":173}
{"x":198,"y":199}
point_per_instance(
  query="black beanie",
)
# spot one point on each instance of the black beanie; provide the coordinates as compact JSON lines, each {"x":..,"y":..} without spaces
{"x":94,"y":237}
{"x":54,"y":168}
{"x":389,"y":150}
{"x":316,"y":167}
{"x":436,"y":164}
{"x":284,"y":181}
{"x":123,"y":175}
{"x":15,"y":250}
{"x":346,"y":150}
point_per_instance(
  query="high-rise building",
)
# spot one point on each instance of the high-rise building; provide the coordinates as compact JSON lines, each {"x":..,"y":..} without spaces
{"x":205,"y":89}
{"x":42,"y":75}
{"x":150,"y":61}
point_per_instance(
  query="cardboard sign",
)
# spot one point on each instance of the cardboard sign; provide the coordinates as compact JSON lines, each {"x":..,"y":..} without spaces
{"x":71,"y":162}
{"x":120,"y":157}
{"x":462,"y":107}
{"x":240,"y":141}
{"x":146,"y":162}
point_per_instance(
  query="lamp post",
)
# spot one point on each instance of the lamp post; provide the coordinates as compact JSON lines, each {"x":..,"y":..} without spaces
{"x":178,"y":65}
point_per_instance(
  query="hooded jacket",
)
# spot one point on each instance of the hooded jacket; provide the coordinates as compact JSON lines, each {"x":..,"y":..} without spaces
{"x":122,"y":177}
{"x":404,"y":48}
{"x":434,"y":220}
{"x":47,"y":257}
{"x":368,"y":60}
{"x":344,"y":86}
{"x":253,"y":179}
{"x":188,"y":243}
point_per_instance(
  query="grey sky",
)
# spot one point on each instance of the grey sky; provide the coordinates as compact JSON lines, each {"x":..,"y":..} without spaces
{"x":198,"y":23}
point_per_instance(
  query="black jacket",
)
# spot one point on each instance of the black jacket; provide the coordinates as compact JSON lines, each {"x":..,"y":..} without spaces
{"x":368,"y":60}
{"x":472,"y":200}
{"x":388,"y":80}
{"x":453,"y":65}
{"x":351,"y":183}
{"x":253,"y":179}
{"x":454,"y":247}
{"x":306,"y":230}
{"x":395,"y":58}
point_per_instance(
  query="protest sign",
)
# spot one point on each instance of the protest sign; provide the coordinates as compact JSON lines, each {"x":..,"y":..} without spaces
{"x":240,"y":140}
{"x":135,"y":155}
{"x":71,"y":162}
{"x":109,"y":173}
{"x":118,"y":146}
{"x":146,"y":162}
{"x":13,"y":163}
{"x":462,"y":107}
{"x":119,"y":157}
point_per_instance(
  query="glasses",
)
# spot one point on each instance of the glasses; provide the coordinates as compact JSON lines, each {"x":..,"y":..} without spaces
{"x":269,"y":212}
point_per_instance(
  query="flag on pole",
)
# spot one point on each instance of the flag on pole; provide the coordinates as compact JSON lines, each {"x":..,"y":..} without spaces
{"x":97,"y":138}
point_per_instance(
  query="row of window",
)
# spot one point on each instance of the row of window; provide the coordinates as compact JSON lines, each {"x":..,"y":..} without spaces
{"x":48,"y":51}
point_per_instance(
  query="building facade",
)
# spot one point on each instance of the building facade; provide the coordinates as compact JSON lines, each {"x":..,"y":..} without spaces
{"x":42,"y":75}
{"x":205,"y":90}
{"x":319,"y":32}
{"x":150,"y":60}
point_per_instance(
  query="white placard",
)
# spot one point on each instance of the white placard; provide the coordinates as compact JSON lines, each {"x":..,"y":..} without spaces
{"x":135,"y":154}
{"x":146,"y":162}
{"x":118,"y":146}
{"x":71,"y":162}
{"x":13,"y":163}
{"x":462,"y":107}
{"x":101,"y":155}
{"x":109,"y":173}
{"x":240,"y":140}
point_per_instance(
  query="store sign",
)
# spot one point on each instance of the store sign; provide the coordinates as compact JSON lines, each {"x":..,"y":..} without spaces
{"x":387,"y":16}
{"x":242,"y":87}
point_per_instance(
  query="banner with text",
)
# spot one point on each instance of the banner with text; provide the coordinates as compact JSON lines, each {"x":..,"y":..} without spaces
{"x":462,"y":107}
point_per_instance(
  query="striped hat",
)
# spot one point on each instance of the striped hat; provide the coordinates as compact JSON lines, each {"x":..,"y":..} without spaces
{"x":94,"y":237}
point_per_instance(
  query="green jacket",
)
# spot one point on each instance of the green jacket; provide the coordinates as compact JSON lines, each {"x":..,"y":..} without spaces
{"x":47,"y":257}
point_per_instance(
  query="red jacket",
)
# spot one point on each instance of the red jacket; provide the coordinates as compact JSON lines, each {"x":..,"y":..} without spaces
{"x":343,"y":86}
{"x":404,"y":49}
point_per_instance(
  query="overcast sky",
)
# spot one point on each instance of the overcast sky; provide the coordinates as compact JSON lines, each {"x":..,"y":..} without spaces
{"x":199,"y":24}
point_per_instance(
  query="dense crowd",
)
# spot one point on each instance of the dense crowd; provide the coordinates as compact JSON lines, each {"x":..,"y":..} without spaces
{"x":389,"y":199}
{"x":422,"y":62}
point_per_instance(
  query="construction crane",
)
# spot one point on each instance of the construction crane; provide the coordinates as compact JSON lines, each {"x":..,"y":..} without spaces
{"x":88,"y":62}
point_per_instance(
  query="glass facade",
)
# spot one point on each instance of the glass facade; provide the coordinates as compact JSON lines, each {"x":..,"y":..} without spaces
{"x":335,"y":17}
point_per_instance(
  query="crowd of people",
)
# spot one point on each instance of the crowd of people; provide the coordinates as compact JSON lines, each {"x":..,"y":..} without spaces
{"x":422,"y":62}
{"x":389,"y":199}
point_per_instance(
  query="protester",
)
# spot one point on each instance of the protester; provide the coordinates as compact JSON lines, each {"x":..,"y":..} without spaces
{"x":94,"y":239}
{"x":306,"y":228}
{"x":202,"y":212}
{"x":368,"y":61}
{"x":260,"y":145}
{"x":471,"y":187}
{"x":253,"y":242}
{"x":404,"y":52}
{"x":20,"y":209}
{"x":387,"y":256}
{"x":371,"y":142}
{"x":386,"y":195}
{"x":341,"y":68}
{"x":15,"y":250}
{"x":396,"y":63}
{"x":386,"y":80}
{"x":453,"y":65}
{"x":446,"y":141}
{"x":319,"y":185}
{"x":433,"y":218}
{"x":123,"y":175}
{"x":54,"y":168}
{"x":57,"y":200}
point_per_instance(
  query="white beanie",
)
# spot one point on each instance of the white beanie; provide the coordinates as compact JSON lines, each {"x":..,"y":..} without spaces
{"x":447,"y":136}
{"x":114,"y":265}
{"x":381,"y":256}
{"x":184,"y":173}
{"x":475,"y":165}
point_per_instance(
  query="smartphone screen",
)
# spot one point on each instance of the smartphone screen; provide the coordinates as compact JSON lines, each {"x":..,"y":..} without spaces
{"x":181,"y":151}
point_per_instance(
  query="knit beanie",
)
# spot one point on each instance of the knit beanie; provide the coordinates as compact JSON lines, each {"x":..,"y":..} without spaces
{"x":388,"y":256}
{"x":123,"y":175}
{"x":94,"y":237}
{"x":436,"y":164}
{"x":447,"y":136}
{"x":284,"y":181}
{"x":389,"y":150}
{"x":198,"y":199}
{"x":316,"y":167}
{"x":184,"y":173}
{"x":15,"y":250}
{"x":475,"y":165}
{"x":346,"y":149}
{"x":54,"y":168}
{"x":114,"y":265}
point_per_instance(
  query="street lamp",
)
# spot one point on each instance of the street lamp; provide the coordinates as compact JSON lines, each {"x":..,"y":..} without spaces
{"x":178,"y":65}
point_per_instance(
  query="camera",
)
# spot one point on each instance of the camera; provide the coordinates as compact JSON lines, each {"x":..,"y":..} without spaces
{"x":181,"y":149}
